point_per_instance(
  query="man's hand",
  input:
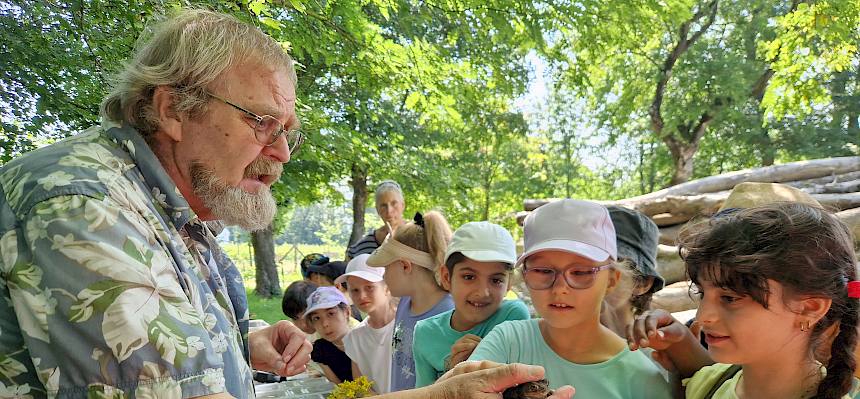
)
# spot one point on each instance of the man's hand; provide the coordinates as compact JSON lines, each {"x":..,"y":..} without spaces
{"x":487,"y":380}
{"x":461,"y":350}
{"x":281,"y":348}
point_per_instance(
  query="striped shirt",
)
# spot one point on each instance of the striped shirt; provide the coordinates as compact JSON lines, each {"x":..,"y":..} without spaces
{"x":365,"y":245}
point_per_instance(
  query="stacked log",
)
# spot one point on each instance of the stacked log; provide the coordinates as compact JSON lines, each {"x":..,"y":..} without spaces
{"x":834,"y":182}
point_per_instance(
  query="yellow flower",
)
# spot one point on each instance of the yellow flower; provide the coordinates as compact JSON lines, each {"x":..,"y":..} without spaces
{"x":357,"y":388}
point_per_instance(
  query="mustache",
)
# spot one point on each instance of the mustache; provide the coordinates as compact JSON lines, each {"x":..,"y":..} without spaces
{"x":262,"y":166}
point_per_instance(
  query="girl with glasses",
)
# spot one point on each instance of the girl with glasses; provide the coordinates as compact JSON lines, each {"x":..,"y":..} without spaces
{"x":569,"y":265}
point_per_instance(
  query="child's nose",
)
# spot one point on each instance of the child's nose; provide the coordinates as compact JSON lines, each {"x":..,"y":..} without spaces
{"x":705,"y":313}
{"x":560,"y":285}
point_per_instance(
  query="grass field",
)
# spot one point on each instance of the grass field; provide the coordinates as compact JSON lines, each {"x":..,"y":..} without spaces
{"x":288,"y":257}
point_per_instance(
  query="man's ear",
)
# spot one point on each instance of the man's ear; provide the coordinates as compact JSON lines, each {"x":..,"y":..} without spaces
{"x":446,"y":277}
{"x":169,"y":122}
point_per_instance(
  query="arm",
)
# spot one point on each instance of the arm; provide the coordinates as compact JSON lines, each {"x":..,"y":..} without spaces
{"x":330,"y":374}
{"x":461,"y":350}
{"x":674,"y":344}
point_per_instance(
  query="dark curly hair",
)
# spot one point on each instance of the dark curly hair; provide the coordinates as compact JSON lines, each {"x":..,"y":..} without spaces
{"x":804,"y":248}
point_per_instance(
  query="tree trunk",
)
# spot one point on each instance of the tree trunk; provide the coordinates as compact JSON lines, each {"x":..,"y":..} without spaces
{"x":359,"y":201}
{"x":264,"y":260}
{"x":682,"y":157}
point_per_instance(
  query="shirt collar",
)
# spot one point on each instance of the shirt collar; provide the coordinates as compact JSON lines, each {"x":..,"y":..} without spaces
{"x":161,"y":186}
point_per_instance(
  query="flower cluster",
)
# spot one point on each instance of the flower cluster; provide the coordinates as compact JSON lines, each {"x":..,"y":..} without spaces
{"x":357,"y":388}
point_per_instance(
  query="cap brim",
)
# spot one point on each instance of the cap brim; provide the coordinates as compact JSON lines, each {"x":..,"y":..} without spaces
{"x":324,"y":305}
{"x":487,"y":256}
{"x":382,"y":257}
{"x":574,"y":247}
{"x":373,"y":278}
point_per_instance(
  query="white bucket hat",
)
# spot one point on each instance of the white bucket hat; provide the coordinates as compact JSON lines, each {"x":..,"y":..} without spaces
{"x":580,"y":227}
{"x":358,"y":267}
{"x":483,"y":242}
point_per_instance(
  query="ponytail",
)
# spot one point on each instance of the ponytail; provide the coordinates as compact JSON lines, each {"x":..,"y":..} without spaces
{"x":433,"y":237}
{"x":840,"y":368}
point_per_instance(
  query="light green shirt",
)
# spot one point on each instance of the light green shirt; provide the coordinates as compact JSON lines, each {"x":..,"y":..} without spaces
{"x":434,"y":338}
{"x":700,"y":384}
{"x":627,"y":375}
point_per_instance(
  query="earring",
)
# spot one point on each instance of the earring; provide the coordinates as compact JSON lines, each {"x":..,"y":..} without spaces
{"x":804,"y":326}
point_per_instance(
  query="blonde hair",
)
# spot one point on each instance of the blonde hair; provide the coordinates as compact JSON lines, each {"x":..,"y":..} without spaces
{"x":433,"y":238}
{"x":186,"y":52}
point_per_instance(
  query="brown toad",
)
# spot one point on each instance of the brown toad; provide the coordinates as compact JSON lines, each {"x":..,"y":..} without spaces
{"x":529,"y":390}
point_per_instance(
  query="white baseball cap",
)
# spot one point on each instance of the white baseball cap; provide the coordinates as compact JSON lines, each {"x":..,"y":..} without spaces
{"x":358,"y":267}
{"x":579,"y":227}
{"x":324,"y":298}
{"x":483,"y":242}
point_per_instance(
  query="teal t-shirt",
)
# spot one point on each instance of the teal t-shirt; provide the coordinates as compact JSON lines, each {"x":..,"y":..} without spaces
{"x":627,"y":375}
{"x":434,"y":338}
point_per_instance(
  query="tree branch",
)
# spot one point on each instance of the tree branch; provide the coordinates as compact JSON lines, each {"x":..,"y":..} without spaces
{"x":684,"y":43}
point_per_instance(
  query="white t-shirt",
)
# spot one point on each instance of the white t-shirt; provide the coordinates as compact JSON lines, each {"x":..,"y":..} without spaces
{"x":370,"y":349}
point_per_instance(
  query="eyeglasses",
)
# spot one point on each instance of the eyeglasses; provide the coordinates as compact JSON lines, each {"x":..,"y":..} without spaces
{"x":542,"y":278}
{"x":267,"y":128}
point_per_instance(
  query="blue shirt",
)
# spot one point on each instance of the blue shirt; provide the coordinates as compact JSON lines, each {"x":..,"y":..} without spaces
{"x":402,"y":362}
{"x":110,"y":284}
{"x":436,"y":337}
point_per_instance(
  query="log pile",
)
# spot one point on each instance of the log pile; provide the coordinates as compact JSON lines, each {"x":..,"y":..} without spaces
{"x":834,"y":182}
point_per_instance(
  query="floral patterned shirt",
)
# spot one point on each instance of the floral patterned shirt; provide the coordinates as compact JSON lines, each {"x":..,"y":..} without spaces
{"x":110,"y":286}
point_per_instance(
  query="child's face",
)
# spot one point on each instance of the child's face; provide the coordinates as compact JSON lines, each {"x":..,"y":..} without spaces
{"x":367,"y":295}
{"x":395,"y":279}
{"x":332,"y":323}
{"x":477,"y":288}
{"x":739,"y":330}
{"x":562,"y":306}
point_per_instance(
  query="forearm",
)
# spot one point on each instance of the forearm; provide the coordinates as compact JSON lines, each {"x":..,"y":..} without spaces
{"x":688,"y":356}
{"x":431,"y":391}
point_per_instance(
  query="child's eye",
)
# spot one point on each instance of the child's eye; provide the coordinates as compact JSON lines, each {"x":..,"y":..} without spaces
{"x":499,"y":281}
{"x":730,"y":298}
{"x":468,"y":277}
{"x":582,"y":272}
{"x":543,"y":270}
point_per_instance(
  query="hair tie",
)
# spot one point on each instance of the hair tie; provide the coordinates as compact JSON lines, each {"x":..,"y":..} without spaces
{"x":418,"y":219}
{"x":854,"y":289}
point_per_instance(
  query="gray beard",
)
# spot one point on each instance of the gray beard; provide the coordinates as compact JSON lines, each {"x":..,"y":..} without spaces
{"x":232,"y":205}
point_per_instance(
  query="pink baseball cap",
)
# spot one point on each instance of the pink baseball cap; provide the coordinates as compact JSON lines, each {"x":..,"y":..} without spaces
{"x":580,"y":227}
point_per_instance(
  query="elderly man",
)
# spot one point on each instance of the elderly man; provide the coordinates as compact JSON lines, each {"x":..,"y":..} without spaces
{"x":112,"y":282}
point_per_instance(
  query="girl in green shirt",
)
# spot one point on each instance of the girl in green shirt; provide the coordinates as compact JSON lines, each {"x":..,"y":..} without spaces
{"x":778,"y":298}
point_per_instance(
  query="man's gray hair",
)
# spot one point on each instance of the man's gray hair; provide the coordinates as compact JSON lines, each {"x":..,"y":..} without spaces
{"x":186,"y":52}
